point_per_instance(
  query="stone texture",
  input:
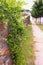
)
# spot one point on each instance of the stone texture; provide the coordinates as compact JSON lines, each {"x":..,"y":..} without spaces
{"x":5,"y":58}
{"x":1,"y":26}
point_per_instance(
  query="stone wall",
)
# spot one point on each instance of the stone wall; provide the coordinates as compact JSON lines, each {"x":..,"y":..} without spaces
{"x":27,"y":20}
{"x":5,"y":58}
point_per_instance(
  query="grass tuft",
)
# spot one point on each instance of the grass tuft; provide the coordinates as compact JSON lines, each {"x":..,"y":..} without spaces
{"x":27,"y":47}
{"x":40,"y":25}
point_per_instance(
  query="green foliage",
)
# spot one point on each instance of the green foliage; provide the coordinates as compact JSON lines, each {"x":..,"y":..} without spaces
{"x":37,"y":10}
{"x":16,"y":34}
{"x":10,"y":11}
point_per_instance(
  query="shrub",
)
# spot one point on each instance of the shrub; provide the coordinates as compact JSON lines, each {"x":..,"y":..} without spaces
{"x":11,"y":13}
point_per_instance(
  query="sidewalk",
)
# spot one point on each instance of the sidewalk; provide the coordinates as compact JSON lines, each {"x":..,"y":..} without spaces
{"x":38,"y":46}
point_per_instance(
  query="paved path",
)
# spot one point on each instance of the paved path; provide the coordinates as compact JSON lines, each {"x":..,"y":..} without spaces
{"x":38,"y":46}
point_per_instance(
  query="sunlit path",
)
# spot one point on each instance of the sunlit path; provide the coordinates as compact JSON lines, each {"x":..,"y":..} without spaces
{"x":38,"y":46}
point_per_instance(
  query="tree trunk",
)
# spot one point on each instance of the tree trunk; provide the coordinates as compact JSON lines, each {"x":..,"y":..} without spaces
{"x":5,"y":58}
{"x":36,"y":19}
{"x":40,"y":20}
